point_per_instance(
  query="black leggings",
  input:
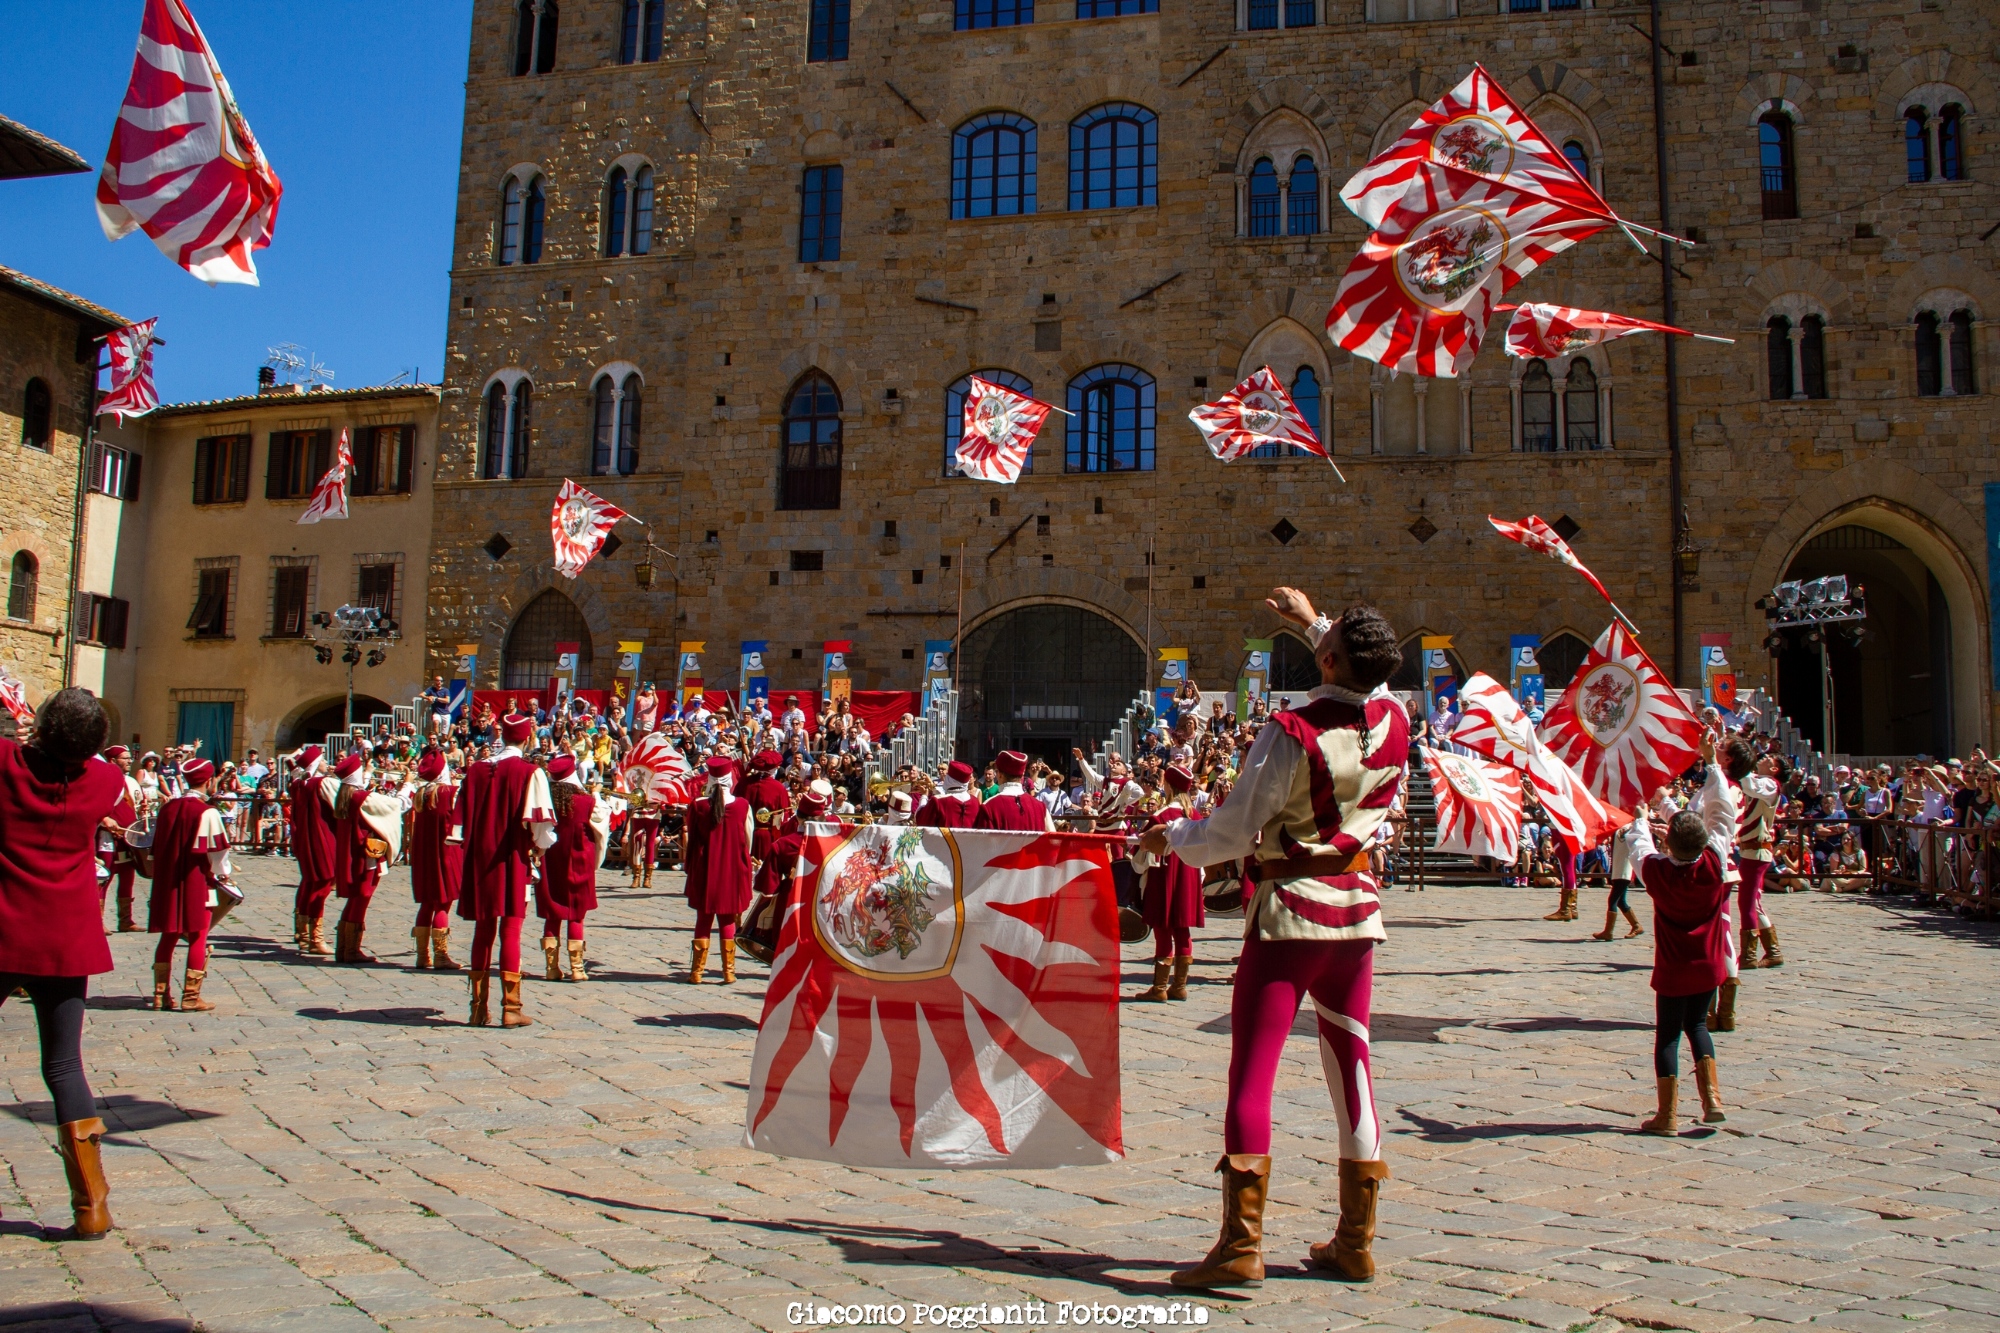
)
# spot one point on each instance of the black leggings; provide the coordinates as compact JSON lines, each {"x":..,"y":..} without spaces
{"x":58,"y":1005}
{"x":1616,"y":903}
{"x":1678,"y":1014}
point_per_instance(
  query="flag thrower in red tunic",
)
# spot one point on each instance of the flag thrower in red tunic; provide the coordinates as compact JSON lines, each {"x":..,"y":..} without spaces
{"x":1539,"y":329}
{"x":1419,"y":294}
{"x":578,"y":524}
{"x":131,"y":393}
{"x":1255,"y":413}
{"x":1478,"y":806}
{"x":182,"y":163}
{"x":999,"y":429}
{"x":329,"y":497}
{"x":1621,"y":724}
{"x":1492,"y":724}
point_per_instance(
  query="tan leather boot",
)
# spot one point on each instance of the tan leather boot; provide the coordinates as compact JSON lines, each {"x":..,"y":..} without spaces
{"x":1666,"y":1121}
{"x":89,"y":1193}
{"x":1177,"y":988}
{"x":1349,"y":1254}
{"x":1711,"y":1091}
{"x":163,"y":987}
{"x":1773,"y":955}
{"x":125,"y":921}
{"x":1237,"y":1259}
{"x":422,"y":935}
{"x":441,"y":961}
{"x":728,"y":961}
{"x":301,"y":930}
{"x":1610,"y":920}
{"x":1746,"y":952}
{"x":191,"y":992}
{"x":1157,"y":992}
{"x":510,"y":1002}
{"x":481,"y":1015}
{"x":551,"y":954}
{"x":699,"y":964}
{"x":1725,"y":1008}
{"x":316,"y":938}
{"x":1637,"y":929}
{"x":576,"y":961}
{"x":1565,"y":907}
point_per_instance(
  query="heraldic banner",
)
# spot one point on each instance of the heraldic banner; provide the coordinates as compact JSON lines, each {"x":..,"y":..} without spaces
{"x":943,"y":998}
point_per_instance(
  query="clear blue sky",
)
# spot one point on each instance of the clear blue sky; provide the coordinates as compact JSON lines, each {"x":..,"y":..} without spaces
{"x":359,"y":108}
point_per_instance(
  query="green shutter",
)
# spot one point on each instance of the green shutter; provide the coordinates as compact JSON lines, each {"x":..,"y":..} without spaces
{"x":203,"y":450}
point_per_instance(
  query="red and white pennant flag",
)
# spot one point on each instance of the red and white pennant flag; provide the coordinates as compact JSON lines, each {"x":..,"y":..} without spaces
{"x":329,"y":497}
{"x":943,"y":998}
{"x":1536,"y":535}
{"x":657,"y":768}
{"x":1539,"y":329}
{"x":1491,"y":723}
{"x":998,"y":430}
{"x":14,"y":697}
{"x":1255,"y":413}
{"x":1621,"y":724}
{"x":131,"y":393}
{"x":578,"y":524}
{"x":1478,"y":805}
{"x":182,"y":163}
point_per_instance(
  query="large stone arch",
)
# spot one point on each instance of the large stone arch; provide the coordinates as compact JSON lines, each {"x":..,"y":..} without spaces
{"x":529,"y":584}
{"x":1069,"y":587}
{"x":1901,"y":503}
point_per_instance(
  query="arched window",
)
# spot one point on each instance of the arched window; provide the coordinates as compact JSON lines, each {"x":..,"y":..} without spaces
{"x":1538,"y":409}
{"x":523,"y":206}
{"x":1775,"y":165}
{"x":1778,"y":355}
{"x":1578,"y":157}
{"x":639,"y":38}
{"x":21,"y":587}
{"x":615,"y":204}
{"x":628,"y":212}
{"x":37,"y":416}
{"x":1302,"y":198}
{"x":1305,"y":397}
{"x":1111,"y":429}
{"x":1293,"y":668}
{"x":1959,"y":344}
{"x":493,"y":456}
{"x":954,"y":412}
{"x":993,"y":166}
{"x":529,"y":660}
{"x":819,"y":215}
{"x":1930,"y":356}
{"x":535,"y":36}
{"x":1114,"y":155}
{"x":1812,"y":356}
{"x":1944,"y":353}
{"x":1580,"y":407}
{"x":1560,"y":655}
{"x":615,"y":428}
{"x":642,"y":211}
{"x":604,"y":426}
{"x":1263,"y":198}
{"x":509,"y":419}
{"x":1951,"y":143}
{"x":809,"y":462}
{"x":1917,"y":144}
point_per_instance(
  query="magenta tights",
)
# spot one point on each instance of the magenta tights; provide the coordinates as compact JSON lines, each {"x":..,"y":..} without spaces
{"x":197,"y":949}
{"x":1750,"y":893}
{"x":433,"y":918}
{"x":705,"y":921}
{"x":553,"y":929}
{"x":1271,"y":979}
{"x":1169,"y":941}
{"x":1566,"y":863}
{"x":509,"y":930}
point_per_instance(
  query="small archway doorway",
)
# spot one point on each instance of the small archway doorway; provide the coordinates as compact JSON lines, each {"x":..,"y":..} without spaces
{"x":529,"y":659}
{"x":1045,"y":679}
{"x":328,"y":719}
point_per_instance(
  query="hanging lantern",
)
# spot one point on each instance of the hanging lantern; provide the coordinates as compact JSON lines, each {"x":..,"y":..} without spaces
{"x":642,"y":573}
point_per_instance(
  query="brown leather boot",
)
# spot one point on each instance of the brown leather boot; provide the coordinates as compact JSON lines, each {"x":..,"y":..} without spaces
{"x":422,"y":935}
{"x":1633,"y":920}
{"x":510,"y":1002}
{"x":728,"y":960}
{"x":699,"y":964}
{"x":1746,"y":952}
{"x":301,"y":928}
{"x":441,"y":961}
{"x":481,"y":1015}
{"x":1666,"y":1122}
{"x":576,"y":972}
{"x":1610,"y":920}
{"x":1773,"y":955}
{"x":1711,"y":1091}
{"x":351,"y":933}
{"x":1348,"y":1255}
{"x":316,"y":938}
{"x":125,"y":921}
{"x":163,"y":987}
{"x":191,"y":992}
{"x":1565,"y":909}
{"x":551,"y":956}
{"x":1237,"y":1259}
{"x":1177,"y":989}
{"x":1157,"y":992}
{"x":89,"y":1194}
{"x":1725,"y":1008}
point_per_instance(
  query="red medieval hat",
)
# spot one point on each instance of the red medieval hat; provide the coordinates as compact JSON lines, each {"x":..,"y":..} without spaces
{"x":958,"y":771}
{"x":766,"y":759}
{"x":1178,"y":778}
{"x":517,"y":730}
{"x":351,"y":763}
{"x":309,"y":756}
{"x":561,"y":767}
{"x":721,"y":766}
{"x":116,"y":752}
{"x":1012,"y":764}
{"x":430,"y":766}
{"x":197,"y":771}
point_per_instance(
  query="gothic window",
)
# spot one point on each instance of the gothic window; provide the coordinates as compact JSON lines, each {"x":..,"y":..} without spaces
{"x":529,"y":660}
{"x":954,"y":412}
{"x":1778,"y":355}
{"x":1105,"y":9}
{"x":1959,"y":343}
{"x":819,"y":215}
{"x":21,"y":587}
{"x":639,"y":36}
{"x":615,"y":426}
{"x":1578,"y":157}
{"x":994,"y":13}
{"x":809,"y":462}
{"x":1293,"y":671}
{"x":1302,"y":198}
{"x":1263,"y":198}
{"x":1306,"y":397}
{"x":509,"y":423}
{"x":1538,"y":409}
{"x":1301,"y":13}
{"x":1776,"y":168}
{"x":37,"y":413}
{"x":826,"y":30}
{"x":993,"y":166}
{"x":642,"y":212}
{"x":1262,"y":14}
{"x":628,"y":212}
{"x":523,"y":207}
{"x":1944,"y":353}
{"x":1917,"y":144}
{"x":1580,"y":406}
{"x":1795,"y":356}
{"x":535,"y":36}
{"x":1951,"y":143}
{"x":616,"y":201}
{"x":1812,"y":356}
{"x":1114,"y":153}
{"x":1560,"y":655}
{"x":1111,"y":429}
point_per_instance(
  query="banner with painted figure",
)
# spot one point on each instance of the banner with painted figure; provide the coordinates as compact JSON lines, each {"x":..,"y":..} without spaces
{"x":466,"y":665}
{"x":937,"y":671}
{"x":1255,"y":681}
{"x":1440,"y":679}
{"x":687,"y":677}
{"x":833,"y":666}
{"x":1173,"y":675}
{"x":1524,"y":668}
{"x":1621,"y":725}
{"x":625,"y":685}
{"x":943,"y":998}
{"x":754,"y":681}
{"x":567,"y":655}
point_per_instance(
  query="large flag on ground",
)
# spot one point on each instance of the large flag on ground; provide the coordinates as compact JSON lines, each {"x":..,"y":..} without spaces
{"x":943,"y":998}
{"x":1536,"y":535}
{"x":1475,"y":127}
{"x":998,"y":430}
{"x":1539,"y":329}
{"x":657,"y":768}
{"x":1421,"y":291}
{"x":131,"y":393}
{"x":182,"y":162}
{"x":1255,"y":413}
{"x":1492,"y":724}
{"x":578,"y":525}
{"x":1621,"y":724}
{"x":329,"y":497}
{"x":1478,"y":805}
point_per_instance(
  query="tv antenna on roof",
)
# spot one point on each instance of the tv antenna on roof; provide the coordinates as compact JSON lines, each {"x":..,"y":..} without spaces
{"x":295,"y":365}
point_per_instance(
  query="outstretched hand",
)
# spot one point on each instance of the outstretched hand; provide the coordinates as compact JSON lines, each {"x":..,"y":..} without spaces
{"x":1292,"y":605}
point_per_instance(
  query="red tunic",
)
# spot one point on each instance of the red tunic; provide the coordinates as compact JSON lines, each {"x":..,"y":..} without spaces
{"x":51,"y":914}
{"x":766,"y":794}
{"x":497,"y":839}
{"x":355,"y":873}
{"x":436,"y":863}
{"x":777,"y":848}
{"x":718,"y":857}
{"x":312,"y":832}
{"x":950,"y":811}
{"x":182,"y":876}
{"x":1172,"y":895}
{"x":1690,"y":942}
{"x":568,"y":886}
{"x":1022,"y":813}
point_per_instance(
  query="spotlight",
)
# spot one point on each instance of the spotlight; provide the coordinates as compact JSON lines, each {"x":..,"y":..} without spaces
{"x":324,"y":654}
{"x":1774,"y":643}
{"x":1815,"y":636}
{"x":376,"y":657}
{"x":1787,"y":593}
{"x":1833,"y":588}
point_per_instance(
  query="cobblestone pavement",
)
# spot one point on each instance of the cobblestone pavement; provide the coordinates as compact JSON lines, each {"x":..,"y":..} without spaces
{"x":331,"y":1149}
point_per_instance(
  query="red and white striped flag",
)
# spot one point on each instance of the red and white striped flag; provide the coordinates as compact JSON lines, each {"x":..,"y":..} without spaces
{"x":1539,"y":329}
{"x":1419,"y":294}
{"x":998,"y":430}
{"x":1491,"y":723}
{"x":131,"y":393}
{"x":1478,"y":805}
{"x":578,"y":525}
{"x":1621,"y":724}
{"x":657,"y":769}
{"x":329,"y":497}
{"x":182,"y":163}
{"x":1255,"y":413}
{"x":1475,"y":127}
{"x":14,"y":697}
{"x":943,"y":998}
{"x":1536,"y":535}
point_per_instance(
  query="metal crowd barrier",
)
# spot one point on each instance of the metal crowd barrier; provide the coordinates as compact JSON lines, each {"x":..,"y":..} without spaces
{"x":1937,"y":864}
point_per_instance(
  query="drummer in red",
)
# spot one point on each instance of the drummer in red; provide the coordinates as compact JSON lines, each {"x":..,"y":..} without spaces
{"x":1013,"y":807}
{"x":437,"y":860}
{"x":719,"y":830}
{"x":367,"y":835}
{"x":190,"y":864}
{"x":506,"y":812}
{"x":567,"y":890}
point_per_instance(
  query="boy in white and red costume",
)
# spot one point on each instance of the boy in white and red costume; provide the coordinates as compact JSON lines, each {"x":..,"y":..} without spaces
{"x":507,"y":819}
{"x":1315,"y":786}
{"x":117,"y":855}
{"x":1171,"y":898}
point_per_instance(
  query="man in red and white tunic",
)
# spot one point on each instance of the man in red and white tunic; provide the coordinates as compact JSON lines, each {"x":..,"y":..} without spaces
{"x":508,"y":821}
{"x":720,"y":827}
{"x":956,"y":804}
{"x":312,"y":795}
{"x":1314,"y":788}
{"x":567,"y":889}
{"x":768,"y":797}
{"x":437,"y":859}
{"x":1171,"y":897}
{"x":1757,"y":783}
{"x":1013,"y":807}
{"x":367,"y":835}
{"x":190,"y":864}
{"x":118,"y":857}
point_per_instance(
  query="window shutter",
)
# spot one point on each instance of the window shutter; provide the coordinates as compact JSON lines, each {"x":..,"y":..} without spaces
{"x":202,"y":450}
{"x":130,"y":490}
{"x":116,"y":611}
{"x":405,"y":453}
{"x":322,"y":456}
{"x":239,"y":488}
{"x":274,"y":469}
{"x":79,"y":618}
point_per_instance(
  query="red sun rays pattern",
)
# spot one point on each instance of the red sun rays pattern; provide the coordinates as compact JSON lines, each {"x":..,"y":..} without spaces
{"x":1621,"y":724}
{"x":1478,"y":805}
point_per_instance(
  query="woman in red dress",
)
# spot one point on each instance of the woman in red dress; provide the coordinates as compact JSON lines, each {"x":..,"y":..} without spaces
{"x":58,"y":792}
{"x":719,"y":828}
{"x":1171,"y":900}
{"x":437,"y":856}
{"x":567,"y":889}
{"x":190,"y":863}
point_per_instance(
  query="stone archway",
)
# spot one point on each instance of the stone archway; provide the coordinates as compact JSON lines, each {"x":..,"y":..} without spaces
{"x":529,"y":659}
{"x":1043,"y":678}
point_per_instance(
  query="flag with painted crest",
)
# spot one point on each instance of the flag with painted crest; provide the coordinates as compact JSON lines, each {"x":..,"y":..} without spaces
{"x":1536,"y":535}
{"x":578,"y":524}
{"x":131,"y":393}
{"x":1621,"y":724}
{"x":1541,"y":330}
{"x":1478,"y":805}
{"x":1256,"y":413}
{"x":329,"y":497}
{"x":1492,"y":724}
{"x":998,"y":430}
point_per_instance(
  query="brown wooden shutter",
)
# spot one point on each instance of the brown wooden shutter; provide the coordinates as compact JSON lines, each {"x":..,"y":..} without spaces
{"x":406,"y":449}
{"x":79,"y":618}
{"x":203,"y":450}
{"x":322,"y":457}
{"x":275,"y":469}
{"x":130,"y":490}
{"x":239,"y":485}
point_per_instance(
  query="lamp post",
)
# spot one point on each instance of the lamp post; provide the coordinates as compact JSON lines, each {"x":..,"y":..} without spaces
{"x":348,"y":628}
{"x":1817,"y":606}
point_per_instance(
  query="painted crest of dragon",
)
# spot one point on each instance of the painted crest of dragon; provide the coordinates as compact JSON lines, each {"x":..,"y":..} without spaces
{"x":1606,"y":701}
{"x":1451,"y":260}
{"x":881,"y":900}
{"x":1464,"y":146}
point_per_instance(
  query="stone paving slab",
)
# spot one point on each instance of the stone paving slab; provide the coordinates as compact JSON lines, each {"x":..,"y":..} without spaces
{"x":332,"y":1149}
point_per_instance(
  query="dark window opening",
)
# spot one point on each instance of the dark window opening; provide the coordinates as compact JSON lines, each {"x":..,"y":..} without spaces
{"x":1302,"y":199}
{"x":211,"y":605}
{"x":22,"y":586}
{"x":1538,"y":409}
{"x":994,"y":13}
{"x":222,"y":469}
{"x":809,"y":460}
{"x":1114,"y":153}
{"x":993,"y":166}
{"x":37,"y":417}
{"x":826,"y":30}
{"x":1112,"y":426}
{"x":1778,"y":355}
{"x":1776,"y":168}
{"x":819,"y":215}
{"x":290,"y":589}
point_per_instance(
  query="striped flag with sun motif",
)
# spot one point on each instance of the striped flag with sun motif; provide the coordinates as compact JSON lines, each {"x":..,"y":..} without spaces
{"x":1491,"y":724}
{"x":1478,"y":805}
{"x":943,"y":998}
{"x":1621,"y":724}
